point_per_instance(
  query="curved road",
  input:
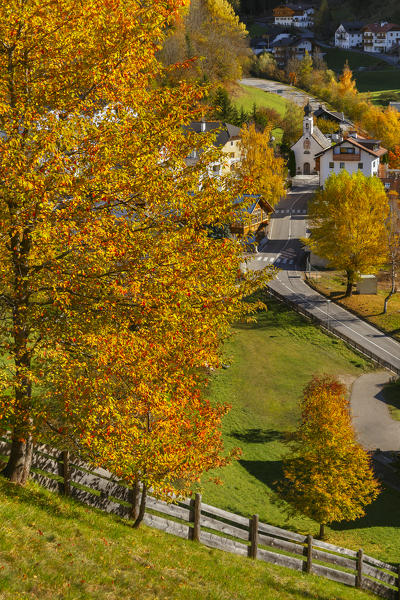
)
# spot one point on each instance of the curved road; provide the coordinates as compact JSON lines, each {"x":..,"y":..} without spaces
{"x":283,"y":249}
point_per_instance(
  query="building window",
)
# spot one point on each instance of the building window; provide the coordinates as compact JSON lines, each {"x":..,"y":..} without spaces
{"x":341,"y":165}
{"x":360,"y":165}
{"x":331,"y":165}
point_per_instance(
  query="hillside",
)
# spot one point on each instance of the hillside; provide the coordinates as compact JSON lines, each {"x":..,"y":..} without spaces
{"x":52,"y":548}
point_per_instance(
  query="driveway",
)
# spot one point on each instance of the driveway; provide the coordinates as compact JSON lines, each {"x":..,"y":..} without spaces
{"x":370,"y":414}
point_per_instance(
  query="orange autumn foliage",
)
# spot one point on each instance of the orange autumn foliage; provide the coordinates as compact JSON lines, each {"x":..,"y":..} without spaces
{"x":114,"y":298}
{"x":394,"y":158}
{"x":328,"y":475}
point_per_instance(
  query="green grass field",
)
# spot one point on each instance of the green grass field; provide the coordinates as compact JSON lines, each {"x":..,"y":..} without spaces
{"x":248,"y":95}
{"x":52,"y":548}
{"x":373,"y":81}
{"x":271,"y":361}
{"x":336,"y":58}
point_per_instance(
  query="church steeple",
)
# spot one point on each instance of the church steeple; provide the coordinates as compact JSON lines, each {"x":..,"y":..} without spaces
{"x":308,"y":122}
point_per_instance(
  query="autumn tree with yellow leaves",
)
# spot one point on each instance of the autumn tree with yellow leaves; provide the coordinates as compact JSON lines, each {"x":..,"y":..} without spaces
{"x":114,"y":299}
{"x":328,"y":475}
{"x":264,"y":173}
{"x":347,"y":223}
{"x":210,"y":31}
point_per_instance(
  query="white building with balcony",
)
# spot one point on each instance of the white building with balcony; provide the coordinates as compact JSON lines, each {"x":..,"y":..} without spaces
{"x":349,"y":35}
{"x":352,"y":154}
{"x":380,"y":37}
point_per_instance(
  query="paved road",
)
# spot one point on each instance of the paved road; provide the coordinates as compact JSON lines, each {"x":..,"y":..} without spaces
{"x":370,"y":414}
{"x":284,"y":250}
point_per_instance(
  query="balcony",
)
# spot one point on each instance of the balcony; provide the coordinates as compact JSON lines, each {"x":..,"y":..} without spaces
{"x":347,"y":156}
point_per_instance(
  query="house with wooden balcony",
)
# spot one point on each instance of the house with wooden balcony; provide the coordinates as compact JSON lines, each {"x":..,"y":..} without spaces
{"x":380,"y":37}
{"x":349,"y":35}
{"x":254,"y":218}
{"x":294,"y":15}
{"x":352,"y":154}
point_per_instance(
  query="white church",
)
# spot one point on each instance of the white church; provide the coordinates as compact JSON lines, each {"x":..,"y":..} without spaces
{"x":312,"y":142}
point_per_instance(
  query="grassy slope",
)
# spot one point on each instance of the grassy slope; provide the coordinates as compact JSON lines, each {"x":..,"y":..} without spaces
{"x":249,"y":95}
{"x":336,"y":58}
{"x":270,"y":363}
{"x":55,"y":549}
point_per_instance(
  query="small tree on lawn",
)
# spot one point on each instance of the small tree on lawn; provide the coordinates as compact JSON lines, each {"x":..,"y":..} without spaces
{"x":328,"y":475}
{"x":347,"y":223}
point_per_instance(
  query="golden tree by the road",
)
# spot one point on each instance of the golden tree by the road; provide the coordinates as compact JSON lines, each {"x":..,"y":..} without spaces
{"x":328,"y":475}
{"x":114,"y":298}
{"x":347,"y":223}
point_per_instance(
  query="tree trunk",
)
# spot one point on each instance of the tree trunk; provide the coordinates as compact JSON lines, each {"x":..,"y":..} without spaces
{"x":393,"y":288}
{"x":134,"y":498}
{"x":321,"y":535}
{"x":142,"y":507}
{"x":350,"y":281}
{"x":20,"y":460}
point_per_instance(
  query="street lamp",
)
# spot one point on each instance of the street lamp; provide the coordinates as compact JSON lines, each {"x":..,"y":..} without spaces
{"x":327,"y":312}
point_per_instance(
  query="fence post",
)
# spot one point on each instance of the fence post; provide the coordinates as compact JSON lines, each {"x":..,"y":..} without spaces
{"x":309,"y":553}
{"x":195,"y":517}
{"x":64,"y":472}
{"x":359,"y":576}
{"x":253,"y":527}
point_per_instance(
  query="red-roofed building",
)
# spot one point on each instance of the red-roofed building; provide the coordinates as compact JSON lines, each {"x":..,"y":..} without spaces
{"x":380,"y":37}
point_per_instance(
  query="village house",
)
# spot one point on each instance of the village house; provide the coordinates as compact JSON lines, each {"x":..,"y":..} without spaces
{"x":293,"y":15}
{"x":338,"y":118}
{"x":349,"y":35}
{"x":227,"y":138}
{"x":380,"y":37}
{"x":286,"y":46}
{"x":311,"y":143}
{"x":351,"y":154}
{"x":255,"y":217}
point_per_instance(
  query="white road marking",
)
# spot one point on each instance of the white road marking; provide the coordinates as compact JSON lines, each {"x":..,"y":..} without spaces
{"x":333,"y":318}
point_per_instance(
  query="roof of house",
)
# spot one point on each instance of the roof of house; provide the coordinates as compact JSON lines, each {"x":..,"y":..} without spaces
{"x":395,"y":105}
{"x":258,"y":199}
{"x":320,"y":138}
{"x":288,"y":41}
{"x":331,"y":114}
{"x":362,"y":143}
{"x":352,"y":26}
{"x":226,"y":133}
{"x":381,"y":27}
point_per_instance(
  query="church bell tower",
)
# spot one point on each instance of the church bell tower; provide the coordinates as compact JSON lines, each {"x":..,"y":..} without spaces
{"x":308,"y":124}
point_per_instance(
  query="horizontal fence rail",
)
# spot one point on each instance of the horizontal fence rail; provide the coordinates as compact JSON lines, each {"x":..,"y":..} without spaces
{"x":212,"y":526}
{"x":324,"y":325}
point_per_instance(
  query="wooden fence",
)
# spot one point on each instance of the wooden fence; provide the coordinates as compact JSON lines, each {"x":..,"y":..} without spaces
{"x":213,"y":527}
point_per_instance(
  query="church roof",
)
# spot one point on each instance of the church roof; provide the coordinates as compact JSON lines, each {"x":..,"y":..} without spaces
{"x":320,"y":138}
